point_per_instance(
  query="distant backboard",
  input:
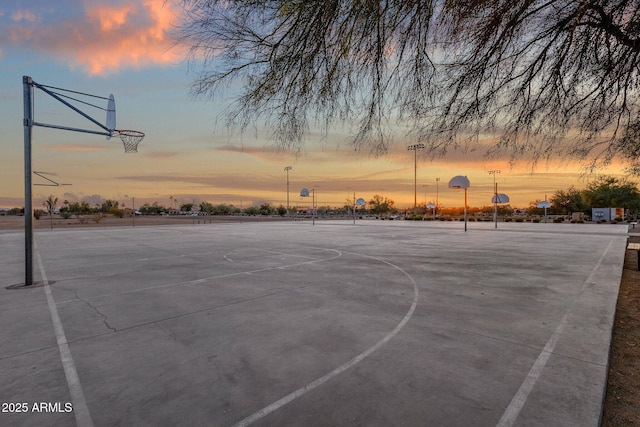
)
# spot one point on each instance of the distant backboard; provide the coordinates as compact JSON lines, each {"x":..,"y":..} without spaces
{"x":544,"y":204}
{"x":500,"y":198}
{"x":459,"y":182}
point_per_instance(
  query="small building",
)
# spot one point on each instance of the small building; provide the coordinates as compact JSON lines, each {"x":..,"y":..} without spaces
{"x":606,"y":214}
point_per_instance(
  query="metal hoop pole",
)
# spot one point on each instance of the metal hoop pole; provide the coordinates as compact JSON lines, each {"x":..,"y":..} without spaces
{"x":27,"y":89}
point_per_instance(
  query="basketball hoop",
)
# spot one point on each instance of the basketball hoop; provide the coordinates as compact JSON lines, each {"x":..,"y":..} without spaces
{"x":130,"y":139}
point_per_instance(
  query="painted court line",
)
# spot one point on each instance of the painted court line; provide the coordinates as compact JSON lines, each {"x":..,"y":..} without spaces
{"x":80,"y":408}
{"x":520,"y":398}
{"x":316,"y":383}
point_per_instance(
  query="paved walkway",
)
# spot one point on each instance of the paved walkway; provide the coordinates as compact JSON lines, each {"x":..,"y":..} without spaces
{"x":382,"y":323}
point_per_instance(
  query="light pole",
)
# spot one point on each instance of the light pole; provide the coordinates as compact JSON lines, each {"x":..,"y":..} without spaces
{"x":415,"y":148}
{"x":434,"y":212}
{"x":287,"y":169}
{"x":495,"y":195}
{"x":425,"y":197}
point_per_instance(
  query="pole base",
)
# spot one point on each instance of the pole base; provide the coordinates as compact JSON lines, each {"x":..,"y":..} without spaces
{"x":36,"y":284}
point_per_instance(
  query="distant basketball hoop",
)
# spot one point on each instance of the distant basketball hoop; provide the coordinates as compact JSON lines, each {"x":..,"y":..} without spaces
{"x":130,"y":139}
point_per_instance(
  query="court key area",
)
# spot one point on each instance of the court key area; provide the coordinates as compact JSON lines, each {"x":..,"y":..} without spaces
{"x":381,"y":323}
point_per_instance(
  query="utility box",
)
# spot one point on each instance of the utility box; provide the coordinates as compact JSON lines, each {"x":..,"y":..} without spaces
{"x":577,"y":216}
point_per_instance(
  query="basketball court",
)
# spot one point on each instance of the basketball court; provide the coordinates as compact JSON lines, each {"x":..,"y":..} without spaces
{"x":291,"y":324}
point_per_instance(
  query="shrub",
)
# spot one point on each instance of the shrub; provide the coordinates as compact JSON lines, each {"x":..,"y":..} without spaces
{"x":118,"y":213}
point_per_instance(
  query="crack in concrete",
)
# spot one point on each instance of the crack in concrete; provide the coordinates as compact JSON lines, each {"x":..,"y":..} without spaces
{"x":96,"y":309}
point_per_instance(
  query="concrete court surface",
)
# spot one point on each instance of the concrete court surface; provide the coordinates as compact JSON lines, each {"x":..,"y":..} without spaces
{"x":382,"y":323}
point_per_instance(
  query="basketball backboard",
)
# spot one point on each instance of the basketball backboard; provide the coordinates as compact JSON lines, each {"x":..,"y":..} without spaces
{"x":500,"y":198}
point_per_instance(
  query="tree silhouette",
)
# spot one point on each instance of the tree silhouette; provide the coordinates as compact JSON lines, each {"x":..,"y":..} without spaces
{"x":51,"y":204}
{"x":529,"y":77}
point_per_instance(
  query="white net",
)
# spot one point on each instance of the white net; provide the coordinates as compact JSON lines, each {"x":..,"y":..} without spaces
{"x":130,"y":139}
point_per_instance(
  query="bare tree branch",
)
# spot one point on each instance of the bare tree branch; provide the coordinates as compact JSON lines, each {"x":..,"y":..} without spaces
{"x":544,"y":78}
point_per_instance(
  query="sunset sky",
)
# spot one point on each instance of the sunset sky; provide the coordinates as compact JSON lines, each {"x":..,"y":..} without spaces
{"x":123,"y":47}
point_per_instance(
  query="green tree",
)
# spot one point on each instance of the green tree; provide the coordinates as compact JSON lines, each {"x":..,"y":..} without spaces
{"x":611,"y":192}
{"x":154,"y":209}
{"x":64,"y":210}
{"x":223,"y":209}
{"x":77,"y":208}
{"x":266,"y":209}
{"x":108,"y":206}
{"x":568,"y":201}
{"x":281,"y":210}
{"x":252,"y":210}
{"x":207,"y":207}
{"x":381,"y":205}
{"x":532,"y":72}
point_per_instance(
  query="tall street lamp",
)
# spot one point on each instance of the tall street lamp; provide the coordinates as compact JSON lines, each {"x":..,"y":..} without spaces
{"x":415,"y":148}
{"x":425,"y":196}
{"x":287,"y":169}
{"x":495,"y":196}
{"x":434,"y":212}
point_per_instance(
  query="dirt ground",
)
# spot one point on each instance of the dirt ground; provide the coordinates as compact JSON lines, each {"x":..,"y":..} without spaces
{"x":622,"y":401}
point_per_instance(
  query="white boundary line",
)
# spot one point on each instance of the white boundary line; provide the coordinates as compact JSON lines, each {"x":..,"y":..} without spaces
{"x":316,"y":383}
{"x":80,"y":408}
{"x":520,"y":398}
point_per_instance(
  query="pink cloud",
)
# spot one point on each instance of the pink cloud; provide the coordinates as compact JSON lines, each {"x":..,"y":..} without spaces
{"x":105,"y":39}
{"x":23,"y":15}
{"x":110,"y":18}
